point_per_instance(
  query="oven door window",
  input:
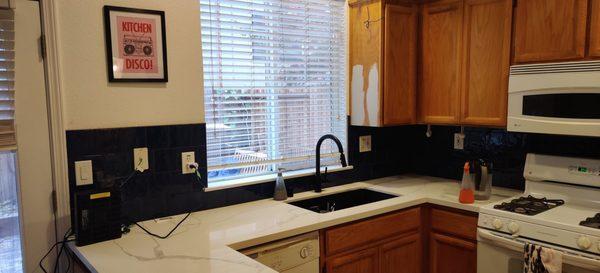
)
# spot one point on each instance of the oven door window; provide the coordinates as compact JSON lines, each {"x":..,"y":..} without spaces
{"x":571,"y":105}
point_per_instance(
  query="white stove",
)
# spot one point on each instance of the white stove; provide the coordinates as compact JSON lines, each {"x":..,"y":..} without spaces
{"x":560,"y":195}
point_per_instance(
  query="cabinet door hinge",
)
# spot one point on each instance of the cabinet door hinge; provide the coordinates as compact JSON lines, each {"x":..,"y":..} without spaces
{"x":43,"y":46}
{"x":54,"y":201}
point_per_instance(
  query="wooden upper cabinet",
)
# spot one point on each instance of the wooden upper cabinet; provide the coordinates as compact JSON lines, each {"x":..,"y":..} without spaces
{"x":383,"y":61}
{"x":486,"y":62}
{"x":549,"y":30}
{"x":364,"y":261}
{"x":366,"y":63}
{"x":440,"y":69}
{"x":450,"y":255}
{"x":594,"y":49}
{"x":400,"y":64}
{"x":403,"y":253}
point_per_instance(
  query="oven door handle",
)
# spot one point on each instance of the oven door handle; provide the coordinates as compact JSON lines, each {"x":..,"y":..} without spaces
{"x":487,"y":236}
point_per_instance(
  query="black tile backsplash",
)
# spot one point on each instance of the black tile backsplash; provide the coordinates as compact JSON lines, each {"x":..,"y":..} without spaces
{"x":436,"y":156}
{"x":146,"y":195}
{"x":163,"y":190}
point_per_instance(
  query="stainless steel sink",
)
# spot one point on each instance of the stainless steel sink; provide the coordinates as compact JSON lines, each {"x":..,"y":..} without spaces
{"x":342,"y":200}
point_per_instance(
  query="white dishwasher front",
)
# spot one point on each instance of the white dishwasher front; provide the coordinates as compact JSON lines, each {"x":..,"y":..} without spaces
{"x":299,"y":254}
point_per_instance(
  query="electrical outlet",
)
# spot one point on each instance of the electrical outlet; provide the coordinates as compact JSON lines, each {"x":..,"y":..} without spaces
{"x":140,"y":159}
{"x":364,"y":144}
{"x":459,"y":141}
{"x":187,"y":158}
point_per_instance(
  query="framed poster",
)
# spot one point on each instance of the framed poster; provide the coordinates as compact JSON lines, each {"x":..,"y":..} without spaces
{"x":136,"y":45}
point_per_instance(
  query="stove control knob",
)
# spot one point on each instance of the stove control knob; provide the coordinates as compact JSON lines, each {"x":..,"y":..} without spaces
{"x":497,"y":224}
{"x":584,"y":242}
{"x":513,"y":227}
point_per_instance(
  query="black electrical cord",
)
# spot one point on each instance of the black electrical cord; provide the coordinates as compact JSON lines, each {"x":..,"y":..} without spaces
{"x":63,"y":248}
{"x":130,"y":175}
{"x":168,"y":234}
{"x":62,"y":243}
{"x":69,"y":257}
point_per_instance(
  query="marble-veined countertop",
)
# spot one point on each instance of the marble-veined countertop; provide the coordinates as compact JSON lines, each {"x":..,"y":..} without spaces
{"x":207,"y":241}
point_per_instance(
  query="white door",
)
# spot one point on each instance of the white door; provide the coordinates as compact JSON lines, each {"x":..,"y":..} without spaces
{"x":33,"y":139}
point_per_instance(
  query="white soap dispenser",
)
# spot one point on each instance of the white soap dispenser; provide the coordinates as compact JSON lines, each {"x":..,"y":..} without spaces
{"x":280,"y":191}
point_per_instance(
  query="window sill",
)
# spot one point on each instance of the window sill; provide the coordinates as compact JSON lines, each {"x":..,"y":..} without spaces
{"x":239,"y":182}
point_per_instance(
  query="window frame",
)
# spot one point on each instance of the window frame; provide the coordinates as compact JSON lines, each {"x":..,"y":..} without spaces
{"x":234,"y":181}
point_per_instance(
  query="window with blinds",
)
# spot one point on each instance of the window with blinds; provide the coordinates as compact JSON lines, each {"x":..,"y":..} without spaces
{"x":274,"y":83}
{"x":7,"y":75}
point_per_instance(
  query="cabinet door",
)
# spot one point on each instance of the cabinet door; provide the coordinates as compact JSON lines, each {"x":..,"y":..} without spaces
{"x":402,"y":255}
{"x":486,"y":61}
{"x":400,"y":64}
{"x":364,"y":261}
{"x":595,"y":28}
{"x":549,"y":30}
{"x":451,"y":255}
{"x":365,"y":59}
{"x":439,"y":80}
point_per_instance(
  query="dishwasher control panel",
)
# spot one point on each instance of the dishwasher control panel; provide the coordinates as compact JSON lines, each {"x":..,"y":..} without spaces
{"x":288,"y":253}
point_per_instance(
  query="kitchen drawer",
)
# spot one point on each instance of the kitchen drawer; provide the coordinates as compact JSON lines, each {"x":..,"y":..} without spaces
{"x":359,"y":234}
{"x":455,"y":223}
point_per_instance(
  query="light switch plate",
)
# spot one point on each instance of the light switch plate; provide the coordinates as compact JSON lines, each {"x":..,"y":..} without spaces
{"x":186,"y":159}
{"x":459,"y":141}
{"x":140,"y":159}
{"x":364,"y":144}
{"x":84,"y":174}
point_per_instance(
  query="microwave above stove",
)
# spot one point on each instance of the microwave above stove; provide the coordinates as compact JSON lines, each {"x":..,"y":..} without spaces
{"x":556,"y":98}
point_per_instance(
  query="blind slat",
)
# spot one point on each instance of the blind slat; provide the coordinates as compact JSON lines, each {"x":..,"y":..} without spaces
{"x":7,"y":76}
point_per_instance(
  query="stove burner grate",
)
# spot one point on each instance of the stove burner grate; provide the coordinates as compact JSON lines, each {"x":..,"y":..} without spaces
{"x":593,"y":222}
{"x":529,"y":205}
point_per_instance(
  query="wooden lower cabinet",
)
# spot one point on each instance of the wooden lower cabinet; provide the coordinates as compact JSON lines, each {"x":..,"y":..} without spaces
{"x":391,"y":243}
{"x":402,"y":255}
{"x":78,"y":266}
{"x":451,"y":254}
{"x":364,"y":261}
{"x":423,"y":239}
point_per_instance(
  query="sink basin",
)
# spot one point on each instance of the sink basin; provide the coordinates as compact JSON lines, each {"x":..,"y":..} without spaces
{"x":342,"y":200}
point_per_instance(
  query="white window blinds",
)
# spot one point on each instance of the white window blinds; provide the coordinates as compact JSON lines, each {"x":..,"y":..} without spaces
{"x":274,"y":82}
{"x":7,"y":75}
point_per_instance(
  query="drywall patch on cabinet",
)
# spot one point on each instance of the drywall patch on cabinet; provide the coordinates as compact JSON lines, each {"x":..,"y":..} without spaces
{"x":365,"y":101}
{"x":358,"y":96}
{"x":372,"y":96}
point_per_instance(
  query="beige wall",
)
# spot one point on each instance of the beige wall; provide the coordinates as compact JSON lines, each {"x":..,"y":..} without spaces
{"x":33,"y":141}
{"x":91,"y":102}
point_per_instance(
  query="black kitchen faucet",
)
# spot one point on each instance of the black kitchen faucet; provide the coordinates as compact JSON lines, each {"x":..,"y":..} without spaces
{"x":318,"y":179}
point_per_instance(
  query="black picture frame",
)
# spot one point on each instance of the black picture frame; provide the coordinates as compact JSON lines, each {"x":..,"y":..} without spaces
{"x":109,"y":48}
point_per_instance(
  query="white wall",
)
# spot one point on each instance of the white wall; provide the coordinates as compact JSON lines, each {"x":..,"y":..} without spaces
{"x":91,"y":102}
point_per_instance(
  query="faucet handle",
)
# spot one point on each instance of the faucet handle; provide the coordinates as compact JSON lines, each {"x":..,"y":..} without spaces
{"x":325,"y":175}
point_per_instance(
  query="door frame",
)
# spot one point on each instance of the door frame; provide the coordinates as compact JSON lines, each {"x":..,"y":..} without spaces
{"x":58,"y":146}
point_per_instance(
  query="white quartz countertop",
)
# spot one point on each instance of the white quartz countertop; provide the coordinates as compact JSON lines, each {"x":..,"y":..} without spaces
{"x":207,"y":241}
